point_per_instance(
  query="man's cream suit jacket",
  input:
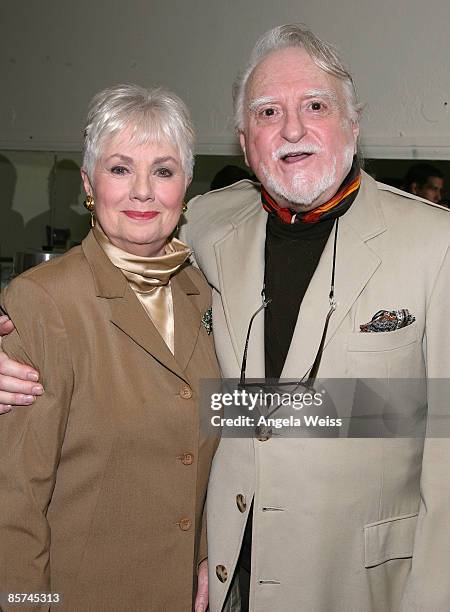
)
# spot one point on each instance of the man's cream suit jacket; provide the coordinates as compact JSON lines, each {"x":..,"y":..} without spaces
{"x":351,"y":525}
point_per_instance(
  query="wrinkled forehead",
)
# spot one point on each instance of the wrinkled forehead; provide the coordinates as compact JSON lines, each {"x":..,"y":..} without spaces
{"x":291,"y":72}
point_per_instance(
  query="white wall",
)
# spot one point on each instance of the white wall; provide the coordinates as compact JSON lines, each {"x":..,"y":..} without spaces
{"x":57,"y":53}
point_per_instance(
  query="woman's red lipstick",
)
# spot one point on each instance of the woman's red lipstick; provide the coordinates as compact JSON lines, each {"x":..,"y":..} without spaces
{"x":141,"y":215}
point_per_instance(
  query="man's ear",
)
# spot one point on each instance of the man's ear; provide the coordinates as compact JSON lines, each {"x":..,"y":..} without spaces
{"x":86,"y":182}
{"x":244,"y":150}
{"x":413,"y":188}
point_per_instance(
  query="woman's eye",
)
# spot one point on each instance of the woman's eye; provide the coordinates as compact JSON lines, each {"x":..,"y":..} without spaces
{"x":119,"y":170}
{"x":164,"y":172}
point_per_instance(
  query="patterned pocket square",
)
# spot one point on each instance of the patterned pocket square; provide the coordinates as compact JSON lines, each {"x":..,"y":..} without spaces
{"x":388,"y":320}
{"x":207,"y":321}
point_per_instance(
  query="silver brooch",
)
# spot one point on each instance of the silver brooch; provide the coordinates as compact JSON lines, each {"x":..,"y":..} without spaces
{"x":207,"y":321}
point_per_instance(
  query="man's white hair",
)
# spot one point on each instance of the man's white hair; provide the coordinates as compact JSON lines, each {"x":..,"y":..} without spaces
{"x":323,"y":54}
{"x":153,"y":115}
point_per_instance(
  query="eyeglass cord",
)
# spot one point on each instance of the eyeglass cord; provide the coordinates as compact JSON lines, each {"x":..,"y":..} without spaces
{"x":333,"y":305}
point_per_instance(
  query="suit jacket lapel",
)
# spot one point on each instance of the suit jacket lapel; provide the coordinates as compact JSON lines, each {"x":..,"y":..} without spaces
{"x":127,"y":313}
{"x":240,"y":264}
{"x":187,"y":317}
{"x":129,"y":316}
{"x":355,"y":264}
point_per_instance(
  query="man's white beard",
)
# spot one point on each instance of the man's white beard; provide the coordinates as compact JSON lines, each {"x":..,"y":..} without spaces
{"x":304,"y":188}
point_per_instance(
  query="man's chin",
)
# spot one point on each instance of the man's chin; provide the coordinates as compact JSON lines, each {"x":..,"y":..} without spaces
{"x":301,"y":200}
{"x":299,"y":192}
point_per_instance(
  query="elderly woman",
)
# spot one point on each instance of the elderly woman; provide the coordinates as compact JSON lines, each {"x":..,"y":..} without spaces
{"x":103,"y":479}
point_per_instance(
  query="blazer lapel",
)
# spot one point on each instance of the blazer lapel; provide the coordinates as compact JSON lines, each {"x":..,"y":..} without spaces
{"x":355,"y":264}
{"x":240,"y":264}
{"x":187,"y":317}
{"x":127,"y":314}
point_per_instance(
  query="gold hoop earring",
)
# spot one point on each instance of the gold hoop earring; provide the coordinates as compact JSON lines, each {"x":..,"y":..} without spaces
{"x":184,"y":207}
{"x":89,"y":204}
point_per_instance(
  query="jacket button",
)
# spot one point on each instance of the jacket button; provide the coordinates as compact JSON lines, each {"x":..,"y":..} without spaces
{"x":187,"y":459}
{"x":185,"y":524}
{"x":186,"y":392}
{"x":241,"y":502}
{"x":221,"y":573}
{"x":263,"y":433}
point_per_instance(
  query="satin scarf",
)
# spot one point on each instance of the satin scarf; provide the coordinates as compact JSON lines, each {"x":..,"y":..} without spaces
{"x":149,"y":277}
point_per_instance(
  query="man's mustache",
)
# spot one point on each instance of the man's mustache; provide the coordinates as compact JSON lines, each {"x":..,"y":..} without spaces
{"x":295,"y":149}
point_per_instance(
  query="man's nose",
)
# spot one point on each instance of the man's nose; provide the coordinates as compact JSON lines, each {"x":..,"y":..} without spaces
{"x":293,"y":128}
{"x":142,"y":188}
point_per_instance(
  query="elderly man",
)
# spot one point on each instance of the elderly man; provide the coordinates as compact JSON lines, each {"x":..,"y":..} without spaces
{"x":322,"y":525}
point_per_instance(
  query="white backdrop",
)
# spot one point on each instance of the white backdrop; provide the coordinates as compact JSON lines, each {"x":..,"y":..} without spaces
{"x":57,"y":53}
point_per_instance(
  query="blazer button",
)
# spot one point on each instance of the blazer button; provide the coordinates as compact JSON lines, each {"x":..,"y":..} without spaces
{"x":187,"y":459}
{"x":263,"y":433}
{"x":241,"y":502}
{"x":186,"y":392}
{"x":221,"y":573}
{"x":185,"y":524}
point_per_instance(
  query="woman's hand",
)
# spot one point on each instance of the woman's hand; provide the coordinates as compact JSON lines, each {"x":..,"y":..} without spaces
{"x":17,"y":381}
{"x":201,"y":600}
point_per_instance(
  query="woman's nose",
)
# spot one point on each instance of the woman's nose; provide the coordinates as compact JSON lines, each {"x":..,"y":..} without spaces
{"x":142,"y":188}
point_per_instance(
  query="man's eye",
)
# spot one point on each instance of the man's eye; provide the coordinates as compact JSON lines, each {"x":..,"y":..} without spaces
{"x":164,"y":172}
{"x":119,"y":170}
{"x":316,"y":106}
{"x":268,"y":112}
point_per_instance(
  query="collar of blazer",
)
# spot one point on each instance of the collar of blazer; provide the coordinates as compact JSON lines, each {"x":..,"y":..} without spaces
{"x":128,"y":315}
{"x":240,"y":255}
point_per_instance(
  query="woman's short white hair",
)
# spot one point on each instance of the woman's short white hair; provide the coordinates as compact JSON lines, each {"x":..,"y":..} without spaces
{"x":323,"y":54}
{"x":154,"y":115}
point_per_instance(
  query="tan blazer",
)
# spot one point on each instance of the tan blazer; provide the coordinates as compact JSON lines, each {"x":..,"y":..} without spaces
{"x":348,"y":525}
{"x":103,"y":480}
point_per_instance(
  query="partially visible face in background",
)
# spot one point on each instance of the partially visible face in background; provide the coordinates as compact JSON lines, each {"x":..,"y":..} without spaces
{"x":430,"y":190}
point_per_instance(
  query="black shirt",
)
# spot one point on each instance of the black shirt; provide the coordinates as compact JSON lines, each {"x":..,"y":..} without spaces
{"x":292,"y":255}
